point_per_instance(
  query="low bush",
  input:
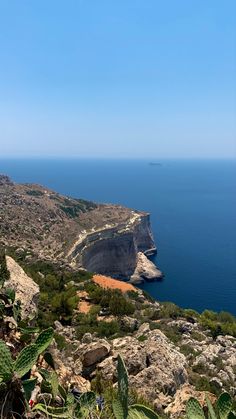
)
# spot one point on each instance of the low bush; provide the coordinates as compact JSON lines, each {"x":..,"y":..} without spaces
{"x":170,"y":310}
{"x":222,"y":323}
{"x":108,"y":329}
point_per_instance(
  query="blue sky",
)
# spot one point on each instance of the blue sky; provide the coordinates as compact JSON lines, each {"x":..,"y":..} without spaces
{"x":118,"y":78}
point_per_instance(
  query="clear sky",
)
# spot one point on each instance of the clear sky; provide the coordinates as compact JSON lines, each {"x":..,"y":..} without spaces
{"x":118,"y":78}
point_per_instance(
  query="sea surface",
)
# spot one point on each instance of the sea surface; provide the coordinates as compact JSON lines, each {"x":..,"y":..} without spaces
{"x":193,"y":215}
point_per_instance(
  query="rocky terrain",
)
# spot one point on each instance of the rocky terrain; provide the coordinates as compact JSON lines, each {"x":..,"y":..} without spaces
{"x":106,"y":239}
{"x":159,"y":370}
{"x":169,"y":353}
{"x":49,"y":243}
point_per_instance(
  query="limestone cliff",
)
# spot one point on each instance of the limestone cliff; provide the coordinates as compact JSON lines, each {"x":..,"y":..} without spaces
{"x":102,"y":238}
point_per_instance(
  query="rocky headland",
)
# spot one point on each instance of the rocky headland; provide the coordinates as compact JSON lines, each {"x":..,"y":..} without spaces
{"x":102,"y":238}
{"x":57,"y":253}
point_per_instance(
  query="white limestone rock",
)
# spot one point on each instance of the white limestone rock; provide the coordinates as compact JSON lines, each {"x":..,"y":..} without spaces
{"x":145,"y":270}
{"x":27,"y":291}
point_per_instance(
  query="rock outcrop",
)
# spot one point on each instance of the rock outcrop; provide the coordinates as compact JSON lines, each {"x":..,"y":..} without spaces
{"x":156,"y":369}
{"x":27,"y":291}
{"x":176,"y":409}
{"x":145,"y":270}
{"x":104,"y":239}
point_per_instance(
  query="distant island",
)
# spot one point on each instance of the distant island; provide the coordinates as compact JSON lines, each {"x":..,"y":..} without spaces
{"x":154,"y":164}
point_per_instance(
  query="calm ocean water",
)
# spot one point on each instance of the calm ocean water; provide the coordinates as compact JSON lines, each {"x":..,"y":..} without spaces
{"x":193,"y":215}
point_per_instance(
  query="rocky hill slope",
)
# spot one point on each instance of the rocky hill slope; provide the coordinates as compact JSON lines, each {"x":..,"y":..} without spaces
{"x":171,"y":354}
{"x":107,"y":239}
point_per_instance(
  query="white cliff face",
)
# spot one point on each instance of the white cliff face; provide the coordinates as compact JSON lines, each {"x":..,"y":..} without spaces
{"x":145,"y":270}
{"x":118,"y":250}
{"x":27,"y":291}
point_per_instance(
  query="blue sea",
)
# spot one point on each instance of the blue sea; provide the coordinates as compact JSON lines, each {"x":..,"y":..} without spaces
{"x":193,"y":215}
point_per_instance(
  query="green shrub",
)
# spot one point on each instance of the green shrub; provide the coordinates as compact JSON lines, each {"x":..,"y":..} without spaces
{"x":171,"y":332}
{"x":142,"y":338}
{"x":222,"y":323}
{"x":107,"y":329}
{"x":199,"y":368}
{"x":120,"y":305}
{"x":170,"y":310}
{"x":60,"y":340}
{"x":35,"y":192}
{"x":4,"y":273}
{"x":148,"y":296}
{"x":187,"y":350}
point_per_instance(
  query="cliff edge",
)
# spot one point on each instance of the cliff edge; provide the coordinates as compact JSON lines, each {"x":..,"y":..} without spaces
{"x":102,"y":238}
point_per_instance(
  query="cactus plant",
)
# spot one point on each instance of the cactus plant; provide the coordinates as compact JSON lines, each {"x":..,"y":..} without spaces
{"x":6,"y":362}
{"x":137,"y":411}
{"x":28,"y":386}
{"x":222,"y":411}
{"x":44,"y":339}
{"x":16,"y":391}
{"x":123,"y":385}
{"x":224,"y":405}
{"x":26,"y":359}
{"x":120,"y":406}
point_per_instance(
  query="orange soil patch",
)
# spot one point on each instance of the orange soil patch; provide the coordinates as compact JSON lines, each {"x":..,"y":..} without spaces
{"x":107,"y":282}
{"x":84,"y":307}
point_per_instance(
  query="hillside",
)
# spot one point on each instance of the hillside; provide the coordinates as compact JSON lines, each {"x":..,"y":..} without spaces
{"x":170,"y":354}
{"x":102,"y":238}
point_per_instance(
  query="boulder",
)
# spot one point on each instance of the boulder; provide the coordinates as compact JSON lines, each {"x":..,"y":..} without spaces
{"x":95,"y":352}
{"x":129,"y":324}
{"x":27,"y":291}
{"x":176,"y":409}
{"x":87,"y":338}
{"x":145,"y":270}
{"x":154,"y":365}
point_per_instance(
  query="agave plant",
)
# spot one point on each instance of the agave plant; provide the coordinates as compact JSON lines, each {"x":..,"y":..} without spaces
{"x":13,"y":388}
{"x":222,"y":410}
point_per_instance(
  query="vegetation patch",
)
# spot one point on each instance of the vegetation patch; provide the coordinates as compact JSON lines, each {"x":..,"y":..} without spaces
{"x":35,"y":192}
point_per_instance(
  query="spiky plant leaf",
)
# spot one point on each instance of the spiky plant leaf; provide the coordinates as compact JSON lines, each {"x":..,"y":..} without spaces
{"x":44,"y":339}
{"x":117,"y":409}
{"x":6,"y":362}
{"x":224,"y":405}
{"x":211,"y":413}
{"x":54,"y":384}
{"x":26,"y":359}
{"x":62,"y":392}
{"x":123,"y":385}
{"x":10,"y":293}
{"x":46,"y":387}
{"x":29,"y":386}
{"x":138,"y":411}
{"x":194,"y":410}
{"x":54,"y":412}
